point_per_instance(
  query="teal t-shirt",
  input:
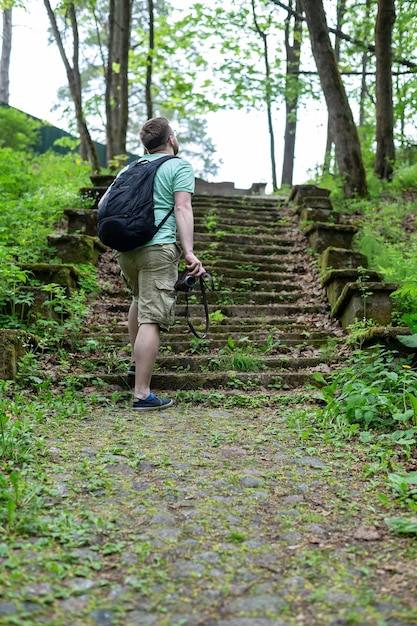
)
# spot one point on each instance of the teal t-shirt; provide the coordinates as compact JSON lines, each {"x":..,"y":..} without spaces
{"x":173,"y":175}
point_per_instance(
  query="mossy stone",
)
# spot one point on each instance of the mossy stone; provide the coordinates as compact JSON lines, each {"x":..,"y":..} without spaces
{"x":353,"y":304}
{"x":335,"y":280}
{"x":77,"y":248}
{"x":59,"y":273}
{"x":13,"y":345}
{"x":321,"y":235}
{"x":342,"y":258}
{"x":82,"y":221}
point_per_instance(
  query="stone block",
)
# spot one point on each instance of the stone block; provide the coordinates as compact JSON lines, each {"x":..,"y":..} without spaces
{"x":92,"y":195}
{"x":203,"y":187}
{"x":353,"y":305}
{"x":300,"y":192}
{"x":335,"y":280}
{"x":321,"y":235}
{"x":73,"y":248}
{"x":82,"y":221}
{"x":13,"y":345}
{"x":308,"y":214}
{"x":102,"y":180}
{"x":318,"y":202}
{"x":59,"y":273}
{"x":342,"y":258}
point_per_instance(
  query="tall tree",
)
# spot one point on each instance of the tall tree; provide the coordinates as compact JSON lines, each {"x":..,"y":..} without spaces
{"x":340,"y":11}
{"x":117,"y":86}
{"x":364,"y":70}
{"x":149,"y":61}
{"x":268,"y":94}
{"x":6,"y":50}
{"x":292,"y":88}
{"x":385,"y":150}
{"x":346,"y":138}
{"x":87,"y":148}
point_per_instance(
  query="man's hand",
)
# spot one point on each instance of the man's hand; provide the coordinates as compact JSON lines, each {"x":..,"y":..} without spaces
{"x":194,"y":265}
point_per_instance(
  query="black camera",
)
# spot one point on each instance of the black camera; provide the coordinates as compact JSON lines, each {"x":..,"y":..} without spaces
{"x":185,"y":282}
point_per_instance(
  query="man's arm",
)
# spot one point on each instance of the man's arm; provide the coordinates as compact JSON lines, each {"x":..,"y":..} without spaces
{"x":185,"y":225}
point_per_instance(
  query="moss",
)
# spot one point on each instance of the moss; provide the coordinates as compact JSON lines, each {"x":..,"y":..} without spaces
{"x":13,"y":345}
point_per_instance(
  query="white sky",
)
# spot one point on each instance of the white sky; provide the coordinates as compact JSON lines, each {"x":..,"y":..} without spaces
{"x":242,"y":140}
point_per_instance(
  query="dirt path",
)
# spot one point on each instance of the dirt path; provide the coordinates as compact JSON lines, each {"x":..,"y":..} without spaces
{"x":202,"y":516}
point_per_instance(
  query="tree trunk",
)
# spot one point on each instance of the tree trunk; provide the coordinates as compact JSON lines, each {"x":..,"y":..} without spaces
{"x":268,"y":98}
{"x":6,"y":50}
{"x":291,"y":92}
{"x":346,"y":139}
{"x":385,"y":150}
{"x":364,"y":90}
{"x":87,"y":148}
{"x":149,"y":62}
{"x":341,"y":8}
{"x":117,"y":85}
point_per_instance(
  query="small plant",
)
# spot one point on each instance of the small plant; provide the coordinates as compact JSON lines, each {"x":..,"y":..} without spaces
{"x":404,"y":487}
{"x":211,"y":221}
{"x":357,"y":331}
{"x":217,"y":317}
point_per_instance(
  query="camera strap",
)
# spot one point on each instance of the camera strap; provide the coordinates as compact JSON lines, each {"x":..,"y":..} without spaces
{"x":206,"y":284}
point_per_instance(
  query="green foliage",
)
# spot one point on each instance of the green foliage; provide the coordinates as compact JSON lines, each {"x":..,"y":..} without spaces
{"x":16,"y":178}
{"x":18,"y":131}
{"x":33,"y":193}
{"x":373,"y":390}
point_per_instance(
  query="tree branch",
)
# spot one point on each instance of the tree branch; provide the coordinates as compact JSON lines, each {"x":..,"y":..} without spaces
{"x":341,"y":35}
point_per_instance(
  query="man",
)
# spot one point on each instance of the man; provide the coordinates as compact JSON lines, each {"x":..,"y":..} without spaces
{"x":152,"y":269}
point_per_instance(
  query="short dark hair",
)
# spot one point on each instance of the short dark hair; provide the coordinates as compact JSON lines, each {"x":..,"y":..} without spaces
{"x":155,"y":133}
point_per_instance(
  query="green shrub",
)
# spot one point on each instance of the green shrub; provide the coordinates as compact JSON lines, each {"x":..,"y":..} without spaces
{"x":373,"y":390}
{"x":17,"y":130}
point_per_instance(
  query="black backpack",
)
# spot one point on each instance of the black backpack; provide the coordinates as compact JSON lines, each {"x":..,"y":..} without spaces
{"x":126,"y":216}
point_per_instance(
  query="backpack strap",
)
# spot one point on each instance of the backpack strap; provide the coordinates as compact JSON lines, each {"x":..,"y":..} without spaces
{"x":164,"y":219}
{"x":160,"y":161}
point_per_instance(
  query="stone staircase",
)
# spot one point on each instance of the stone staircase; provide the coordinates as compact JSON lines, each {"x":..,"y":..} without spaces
{"x":269,"y":319}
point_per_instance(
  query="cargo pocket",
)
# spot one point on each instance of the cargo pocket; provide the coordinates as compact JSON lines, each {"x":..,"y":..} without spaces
{"x":166,"y":303}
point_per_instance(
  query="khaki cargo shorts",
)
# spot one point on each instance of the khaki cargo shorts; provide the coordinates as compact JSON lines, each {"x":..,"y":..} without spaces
{"x":151,"y":273}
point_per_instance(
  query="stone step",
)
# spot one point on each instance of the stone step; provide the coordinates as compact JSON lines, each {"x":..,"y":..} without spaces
{"x":282,"y":329}
{"x":253,"y":363}
{"x":246,"y":249}
{"x":253,"y":288}
{"x":244,"y":297}
{"x":257,"y":336}
{"x":260,"y":275}
{"x":249,"y":265}
{"x":205,"y":221}
{"x":263,"y":239}
{"x":234,"y":289}
{"x":261,"y":311}
{"x":191,"y":381}
{"x":246,"y":203}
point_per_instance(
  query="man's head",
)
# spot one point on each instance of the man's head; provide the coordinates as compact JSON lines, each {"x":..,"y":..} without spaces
{"x":157,"y":136}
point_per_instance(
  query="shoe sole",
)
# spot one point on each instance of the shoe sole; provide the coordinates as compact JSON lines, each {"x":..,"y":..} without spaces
{"x":153,"y":408}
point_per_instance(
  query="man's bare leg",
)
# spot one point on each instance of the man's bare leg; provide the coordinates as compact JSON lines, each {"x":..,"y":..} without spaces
{"x":133,"y":327}
{"x":145,"y":352}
